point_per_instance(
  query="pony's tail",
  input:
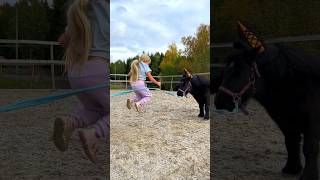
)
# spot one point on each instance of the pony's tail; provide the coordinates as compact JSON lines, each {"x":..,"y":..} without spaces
{"x":134,"y":70}
{"x":79,"y":29}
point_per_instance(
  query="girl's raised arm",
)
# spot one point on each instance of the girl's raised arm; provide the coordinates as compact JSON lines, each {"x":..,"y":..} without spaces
{"x":152,"y":79}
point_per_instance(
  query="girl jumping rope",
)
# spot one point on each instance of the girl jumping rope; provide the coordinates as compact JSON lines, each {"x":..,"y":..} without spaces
{"x":86,"y":41}
{"x":139,"y":71}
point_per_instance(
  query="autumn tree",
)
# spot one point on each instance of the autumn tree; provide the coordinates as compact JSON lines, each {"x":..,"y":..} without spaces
{"x":198,"y":49}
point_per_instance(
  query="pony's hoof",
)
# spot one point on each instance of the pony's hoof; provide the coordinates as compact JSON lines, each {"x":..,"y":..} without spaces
{"x":201,"y":115}
{"x":292,"y":170}
{"x":306,"y":177}
{"x":310,"y":174}
{"x":206,"y":117}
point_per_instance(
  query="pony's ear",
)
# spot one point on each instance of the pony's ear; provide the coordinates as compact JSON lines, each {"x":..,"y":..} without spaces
{"x":245,"y":34}
{"x":187,"y":73}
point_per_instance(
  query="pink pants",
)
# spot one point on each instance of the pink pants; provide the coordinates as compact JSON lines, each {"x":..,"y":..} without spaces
{"x":142,"y":93}
{"x":94,"y":109}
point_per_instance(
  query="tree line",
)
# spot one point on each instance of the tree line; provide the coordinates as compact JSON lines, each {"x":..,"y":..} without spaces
{"x":36,"y":20}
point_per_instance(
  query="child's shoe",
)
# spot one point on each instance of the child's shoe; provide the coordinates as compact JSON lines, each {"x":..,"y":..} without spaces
{"x":138,"y":107}
{"x":63,"y":128}
{"x":129,"y":103}
{"x":89,"y":143}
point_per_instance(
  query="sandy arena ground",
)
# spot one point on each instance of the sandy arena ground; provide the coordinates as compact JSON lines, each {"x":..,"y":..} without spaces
{"x":248,"y":147}
{"x":26,"y":151}
{"x":167,"y":141}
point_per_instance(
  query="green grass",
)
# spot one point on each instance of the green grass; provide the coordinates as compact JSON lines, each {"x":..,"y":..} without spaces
{"x":117,"y":87}
{"x":23,"y":84}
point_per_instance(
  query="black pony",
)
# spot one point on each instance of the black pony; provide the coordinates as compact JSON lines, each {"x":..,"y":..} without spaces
{"x":286,"y":82}
{"x":215,"y":78}
{"x":198,"y":87}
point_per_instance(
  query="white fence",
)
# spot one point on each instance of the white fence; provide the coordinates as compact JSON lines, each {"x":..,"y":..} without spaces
{"x":16,"y":62}
{"x":123,"y":78}
{"x":115,"y":78}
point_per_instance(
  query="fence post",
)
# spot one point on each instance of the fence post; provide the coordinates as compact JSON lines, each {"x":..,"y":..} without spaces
{"x":171,"y":83}
{"x":126,"y":82}
{"x":17,"y":57}
{"x":52,"y":68}
{"x":32,"y":75}
{"x":17,"y":69}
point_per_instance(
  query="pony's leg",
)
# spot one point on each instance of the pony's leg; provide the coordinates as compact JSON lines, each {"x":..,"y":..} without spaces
{"x":206,"y":116}
{"x":201,"y":114}
{"x":293,"y":165}
{"x":310,"y":151}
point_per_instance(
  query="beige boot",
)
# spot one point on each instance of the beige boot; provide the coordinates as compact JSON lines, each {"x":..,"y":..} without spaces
{"x":138,"y":107}
{"x":129,"y":103}
{"x":89,"y":143}
{"x":62,"y":132}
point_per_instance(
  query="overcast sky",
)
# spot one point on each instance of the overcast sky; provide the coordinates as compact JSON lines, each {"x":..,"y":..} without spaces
{"x":151,"y":25}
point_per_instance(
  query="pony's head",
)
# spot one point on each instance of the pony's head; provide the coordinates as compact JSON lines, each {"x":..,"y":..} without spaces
{"x":241,"y":72}
{"x":185,"y":83}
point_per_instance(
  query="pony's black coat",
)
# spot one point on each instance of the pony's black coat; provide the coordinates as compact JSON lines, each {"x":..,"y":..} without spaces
{"x":289,"y":90}
{"x":215,"y":80}
{"x":200,"y":91}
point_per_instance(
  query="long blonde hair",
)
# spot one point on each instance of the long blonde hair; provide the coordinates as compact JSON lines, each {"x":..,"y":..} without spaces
{"x":134,"y":71}
{"x":79,"y":30}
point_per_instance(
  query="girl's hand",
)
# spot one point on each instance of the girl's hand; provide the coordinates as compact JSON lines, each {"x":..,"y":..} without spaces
{"x":64,"y":40}
{"x":159,"y":84}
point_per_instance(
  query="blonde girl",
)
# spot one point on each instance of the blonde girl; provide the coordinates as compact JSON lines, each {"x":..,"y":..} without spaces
{"x":86,"y":41}
{"x":139,"y":71}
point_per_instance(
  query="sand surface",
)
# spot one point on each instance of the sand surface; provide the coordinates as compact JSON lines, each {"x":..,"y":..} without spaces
{"x":26,"y":150}
{"x":248,"y":147}
{"x":166,"y":141}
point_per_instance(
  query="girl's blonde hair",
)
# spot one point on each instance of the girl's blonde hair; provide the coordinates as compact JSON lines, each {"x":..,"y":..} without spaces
{"x":79,"y":31}
{"x":134,"y":72}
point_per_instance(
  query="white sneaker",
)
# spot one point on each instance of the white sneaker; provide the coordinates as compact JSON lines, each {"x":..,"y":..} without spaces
{"x":138,"y":107}
{"x":129,"y":103}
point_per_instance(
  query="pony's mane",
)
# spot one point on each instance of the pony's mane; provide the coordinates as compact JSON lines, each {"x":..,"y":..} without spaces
{"x":199,"y":81}
{"x":300,"y":62}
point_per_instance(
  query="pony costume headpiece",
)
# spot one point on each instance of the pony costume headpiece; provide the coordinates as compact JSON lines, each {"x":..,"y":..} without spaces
{"x":248,"y":36}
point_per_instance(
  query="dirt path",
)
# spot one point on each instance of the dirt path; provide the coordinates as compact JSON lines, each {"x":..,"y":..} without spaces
{"x":167,"y":141}
{"x":26,"y":150}
{"x":248,"y":147}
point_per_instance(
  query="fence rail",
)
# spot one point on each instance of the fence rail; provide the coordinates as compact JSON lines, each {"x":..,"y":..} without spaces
{"x":34,"y":42}
{"x":276,"y":40}
{"x":52,"y":62}
{"x":171,"y":82}
{"x":30,"y":62}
